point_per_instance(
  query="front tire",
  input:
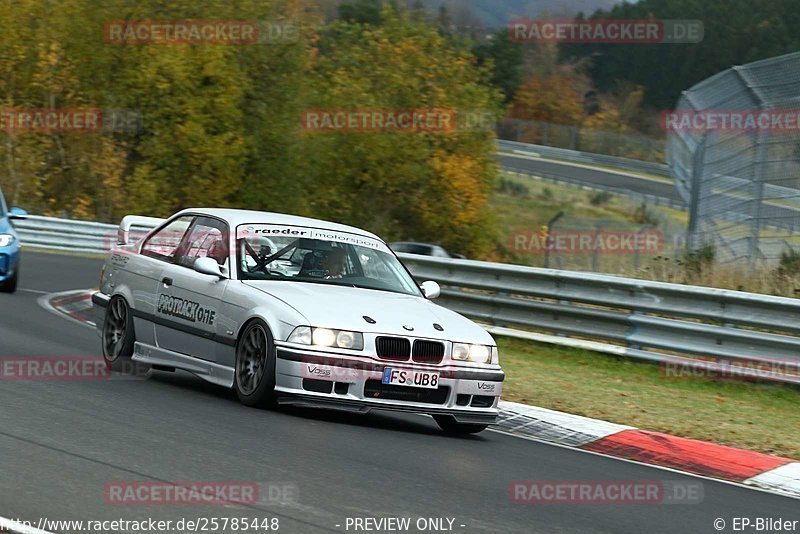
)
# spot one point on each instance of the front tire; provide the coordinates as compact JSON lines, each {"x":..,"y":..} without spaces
{"x":254,"y":375}
{"x":449,"y":425}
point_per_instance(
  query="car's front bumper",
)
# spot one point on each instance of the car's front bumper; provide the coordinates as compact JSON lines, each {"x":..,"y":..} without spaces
{"x":9,"y":260}
{"x":315,"y":379}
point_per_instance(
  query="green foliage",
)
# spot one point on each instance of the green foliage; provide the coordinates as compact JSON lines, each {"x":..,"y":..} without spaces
{"x":789,"y":264}
{"x":212,"y":116}
{"x":361,"y":11}
{"x":221,"y":124}
{"x":601,"y":198}
{"x":392,"y":182}
{"x":513,"y":188}
{"x":696,"y":262}
{"x":505,"y":57}
{"x":643,"y":215}
{"x":736,"y":32}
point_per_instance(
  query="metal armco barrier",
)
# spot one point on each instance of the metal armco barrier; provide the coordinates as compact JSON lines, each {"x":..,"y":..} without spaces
{"x":730,"y":333}
{"x":65,"y":234}
{"x":697,"y":327}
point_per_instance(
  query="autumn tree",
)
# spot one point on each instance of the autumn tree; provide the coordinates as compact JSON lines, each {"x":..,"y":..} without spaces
{"x":422,"y":185}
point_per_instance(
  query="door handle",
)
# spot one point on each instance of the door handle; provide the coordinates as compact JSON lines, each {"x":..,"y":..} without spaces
{"x":166,"y":281}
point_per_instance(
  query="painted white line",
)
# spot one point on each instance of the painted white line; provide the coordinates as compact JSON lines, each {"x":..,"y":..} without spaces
{"x":19,"y":528}
{"x":557,"y":340}
{"x":36,"y":291}
{"x":785,"y":479}
{"x":44,"y":302}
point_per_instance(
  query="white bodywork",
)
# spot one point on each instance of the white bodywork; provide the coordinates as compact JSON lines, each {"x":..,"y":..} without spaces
{"x":193,"y":323}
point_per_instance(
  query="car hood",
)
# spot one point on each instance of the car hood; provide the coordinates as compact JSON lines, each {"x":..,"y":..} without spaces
{"x":345,"y":307}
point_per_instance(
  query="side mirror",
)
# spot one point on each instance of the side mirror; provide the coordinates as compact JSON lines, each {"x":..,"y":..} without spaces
{"x":17,"y":214}
{"x":431,"y":289}
{"x":209,"y":266}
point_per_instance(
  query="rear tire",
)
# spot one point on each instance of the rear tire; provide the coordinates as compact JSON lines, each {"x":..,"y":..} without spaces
{"x":10,"y":285}
{"x":118,"y":339}
{"x":449,"y":425}
{"x":254,"y":374}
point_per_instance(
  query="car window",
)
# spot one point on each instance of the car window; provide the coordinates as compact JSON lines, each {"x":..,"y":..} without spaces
{"x":163,"y":244}
{"x":207,"y":238}
{"x":312,"y":255}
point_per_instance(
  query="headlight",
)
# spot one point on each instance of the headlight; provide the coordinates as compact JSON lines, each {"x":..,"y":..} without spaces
{"x":300,"y":335}
{"x":473,"y":353}
{"x":6,"y":239}
{"x":323,"y":337}
{"x":326,"y":337}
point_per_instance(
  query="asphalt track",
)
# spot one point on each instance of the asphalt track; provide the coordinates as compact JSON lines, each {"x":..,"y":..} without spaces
{"x":62,"y":442}
{"x":590,"y":175}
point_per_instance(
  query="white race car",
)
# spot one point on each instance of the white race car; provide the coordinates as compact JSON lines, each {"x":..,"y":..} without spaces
{"x":292,"y":310}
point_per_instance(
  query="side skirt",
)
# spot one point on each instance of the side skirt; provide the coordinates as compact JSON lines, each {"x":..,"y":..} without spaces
{"x":212,"y":372}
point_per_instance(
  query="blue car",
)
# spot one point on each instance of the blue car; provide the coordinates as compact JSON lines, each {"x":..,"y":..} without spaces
{"x":9,"y":247}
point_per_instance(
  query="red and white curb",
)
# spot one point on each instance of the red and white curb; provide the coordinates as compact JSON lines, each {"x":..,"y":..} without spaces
{"x":74,"y":305}
{"x":765,"y":471}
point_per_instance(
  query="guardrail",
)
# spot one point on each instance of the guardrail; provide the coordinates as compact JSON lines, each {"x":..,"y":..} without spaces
{"x":716,"y":331}
{"x":731,"y":333}
{"x":65,"y":234}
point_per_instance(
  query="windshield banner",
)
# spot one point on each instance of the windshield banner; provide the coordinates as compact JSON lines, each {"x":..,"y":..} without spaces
{"x":274,"y":230}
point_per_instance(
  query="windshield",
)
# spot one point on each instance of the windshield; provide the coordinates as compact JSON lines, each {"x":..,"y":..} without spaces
{"x":302,"y":254}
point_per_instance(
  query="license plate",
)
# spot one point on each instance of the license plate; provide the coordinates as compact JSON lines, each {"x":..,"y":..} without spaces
{"x":408,"y":377}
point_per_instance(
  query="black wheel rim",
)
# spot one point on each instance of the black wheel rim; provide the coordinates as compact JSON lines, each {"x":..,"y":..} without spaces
{"x":116,"y":324}
{"x":251,"y":359}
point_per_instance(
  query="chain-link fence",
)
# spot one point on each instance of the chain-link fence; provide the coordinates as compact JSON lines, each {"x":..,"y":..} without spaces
{"x":576,"y":243}
{"x":734,"y":149}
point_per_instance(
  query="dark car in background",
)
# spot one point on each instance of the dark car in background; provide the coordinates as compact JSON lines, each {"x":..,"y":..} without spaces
{"x":423,"y":249}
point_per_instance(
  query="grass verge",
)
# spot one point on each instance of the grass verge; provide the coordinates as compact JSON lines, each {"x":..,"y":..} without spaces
{"x":759,"y":417}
